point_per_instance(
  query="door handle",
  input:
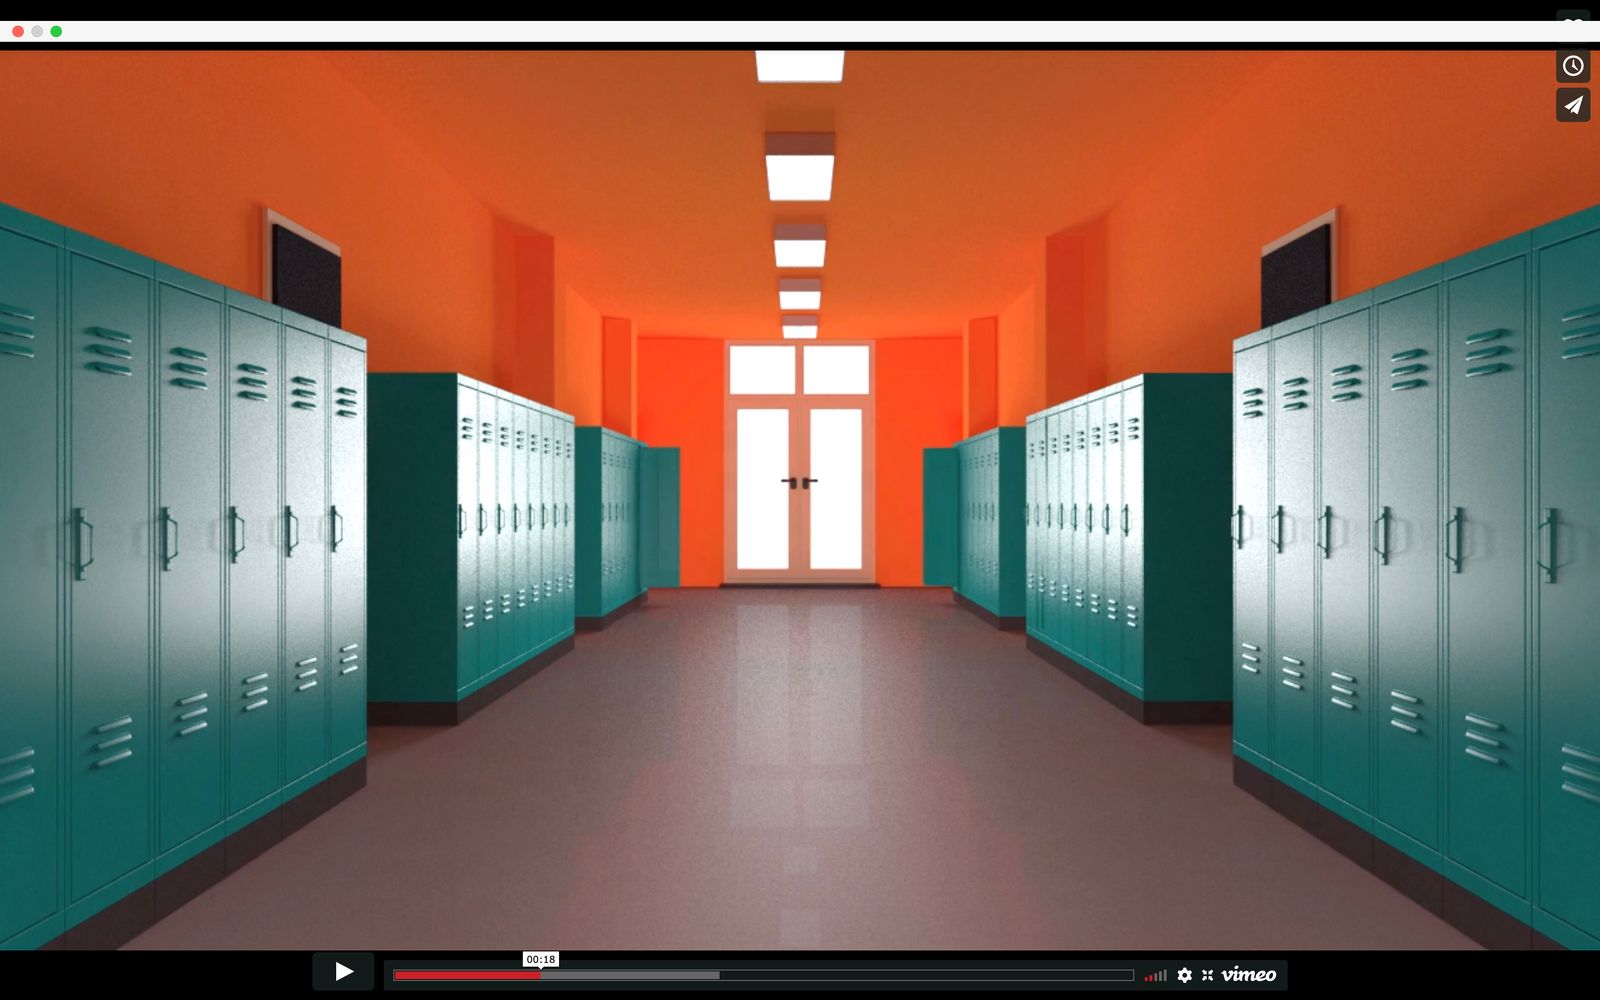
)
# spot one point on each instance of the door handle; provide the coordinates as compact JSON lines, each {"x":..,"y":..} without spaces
{"x":461,"y":521}
{"x":1548,"y":522}
{"x":1381,"y":547}
{"x":237,"y":525}
{"x":1236,"y":526}
{"x":1088,"y":516}
{"x":1325,"y":539}
{"x":169,"y":543}
{"x":1105,"y":521}
{"x":1074,"y":515}
{"x":566,"y":513}
{"x":499,"y":518}
{"x":1277,"y":519}
{"x":1124,"y":520}
{"x":806,"y":481}
{"x":792,"y":481}
{"x":338,"y":527}
{"x":480,"y":519}
{"x":81,"y":564}
{"x":291,"y":522}
{"x":1453,"y":522}
{"x":516,"y":517}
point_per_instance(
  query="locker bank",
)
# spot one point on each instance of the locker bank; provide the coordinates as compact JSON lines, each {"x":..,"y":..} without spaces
{"x":784,"y":499}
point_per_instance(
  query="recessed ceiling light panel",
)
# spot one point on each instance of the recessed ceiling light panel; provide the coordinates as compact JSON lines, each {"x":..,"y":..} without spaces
{"x":799,"y":293}
{"x":799,"y":166}
{"x":799,"y":245}
{"x":799,"y":328}
{"x":799,"y":65}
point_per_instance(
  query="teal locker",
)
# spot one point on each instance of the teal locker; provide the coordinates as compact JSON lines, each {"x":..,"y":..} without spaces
{"x":305,"y":434}
{"x":1094,"y":535}
{"x":1487,"y":372}
{"x":1075,"y":600}
{"x":549,"y":528}
{"x":604,"y":510}
{"x":1346,"y":696}
{"x":31,"y":785}
{"x":255,"y":390}
{"x":1291,"y":531}
{"x":528,"y":611}
{"x":1130,"y":628}
{"x":1566,"y":526}
{"x":112,"y":746}
{"x":659,"y":517}
{"x":509,"y":647}
{"x":1111,"y":539}
{"x":488,"y":596}
{"x":347,"y":548}
{"x":469,"y":533}
{"x":1037,"y":471}
{"x":568,"y":538}
{"x":189,"y":552}
{"x":941,"y":516}
{"x":1407,"y":546}
{"x":1252,"y":554}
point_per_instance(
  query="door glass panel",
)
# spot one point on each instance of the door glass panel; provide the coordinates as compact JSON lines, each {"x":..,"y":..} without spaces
{"x":835,"y":492}
{"x":763,"y":497}
{"x":838,"y":370}
{"x":761,"y":371}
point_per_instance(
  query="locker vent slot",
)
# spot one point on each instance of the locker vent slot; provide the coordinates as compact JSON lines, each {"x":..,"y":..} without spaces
{"x":347,"y":413}
{"x":1345,"y":383}
{"x":112,"y":352}
{"x":259,"y":397}
{"x":189,"y":383}
{"x":345,"y":390}
{"x":1294,"y":406}
{"x":1570,"y":317}
{"x":303,"y":380}
{"x":1572,"y":769}
{"x":251,"y":380}
{"x":21,"y":793}
{"x":20,"y":312}
{"x":1582,"y":332}
{"x":1489,"y":352}
{"x":20,"y":755}
{"x":1413,"y":383}
{"x":1347,"y":369}
{"x":1253,"y":392}
{"x":303,"y":405}
{"x":16,"y":350}
{"x":113,"y":742}
{"x":255,"y":678}
{"x":1483,"y":756}
{"x":303,"y":393}
{"x":190,"y":369}
{"x":13,"y":330}
{"x":1569,"y":749}
{"x":1297,"y":380}
{"x":1415,"y":352}
{"x":1342,"y":703}
{"x":1345,"y":397}
{"x":252,"y":369}
{"x":260,"y":703}
{"x":107,"y":334}
{"x":1480,"y":738}
{"x":1587,"y":350}
{"x":1484,"y":336}
{"x":26,"y":772}
{"x":191,"y":353}
{"x":1407,"y":369}
{"x":1295,"y":394}
{"x":1477,"y":370}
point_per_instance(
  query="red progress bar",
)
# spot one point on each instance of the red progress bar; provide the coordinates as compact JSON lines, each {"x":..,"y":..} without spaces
{"x":464,"y":975}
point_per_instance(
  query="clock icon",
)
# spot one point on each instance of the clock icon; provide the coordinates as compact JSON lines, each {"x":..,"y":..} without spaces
{"x":1572,"y":66}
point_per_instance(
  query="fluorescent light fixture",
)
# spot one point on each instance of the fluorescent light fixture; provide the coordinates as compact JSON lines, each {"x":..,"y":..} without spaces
{"x":799,"y":245}
{"x":799,"y":166}
{"x":800,"y":328}
{"x":799,"y":293}
{"x":799,"y":66}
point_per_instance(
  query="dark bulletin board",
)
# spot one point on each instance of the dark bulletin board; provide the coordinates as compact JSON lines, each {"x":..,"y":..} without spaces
{"x":306,"y":277}
{"x":1297,"y":277}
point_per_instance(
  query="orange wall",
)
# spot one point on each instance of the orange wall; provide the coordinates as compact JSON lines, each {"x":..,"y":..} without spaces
{"x":680,"y":405}
{"x":525,"y":308}
{"x":1021,"y":371}
{"x":175,"y":154}
{"x":982,"y":380}
{"x":1425,"y":154}
{"x":578,"y":359}
{"x":918,"y":406}
{"x":618,"y":368}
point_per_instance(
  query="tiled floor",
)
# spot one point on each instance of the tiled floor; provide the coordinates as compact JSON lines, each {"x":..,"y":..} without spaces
{"x":772,"y":768}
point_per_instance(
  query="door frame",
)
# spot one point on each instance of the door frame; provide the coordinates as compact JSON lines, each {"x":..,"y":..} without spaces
{"x":800,"y":407}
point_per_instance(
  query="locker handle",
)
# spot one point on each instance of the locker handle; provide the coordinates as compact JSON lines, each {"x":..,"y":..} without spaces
{"x":1325,"y":541}
{"x":1567,"y":317}
{"x":1342,"y":703}
{"x":1580,"y":792}
{"x":338,"y":528}
{"x":516,"y":517}
{"x":191,"y":730}
{"x":1482,"y":755}
{"x":1453,"y":522}
{"x":1478,"y":720}
{"x":1125,"y":520}
{"x":236,"y":526}
{"x":461,"y":521}
{"x":1550,"y":523}
{"x":291,"y":522}
{"x":1277,"y":519}
{"x":169,"y":542}
{"x":80,"y":563}
{"x":1106,"y":522}
{"x":566,"y":513}
{"x":1236,"y":526}
{"x":1401,"y":725}
{"x":499,"y":519}
{"x":480,"y":520}
{"x":1074,"y":516}
{"x":1088,"y":509}
{"x":1061,"y":514}
{"x":1583,"y":351}
{"x":1581,"y":333}
{"x":114,"y":758}
{"x":543,"y":521}
{"x":1381,"y":546}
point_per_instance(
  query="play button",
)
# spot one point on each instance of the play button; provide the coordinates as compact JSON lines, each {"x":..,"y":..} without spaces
{"x":342,"y":970}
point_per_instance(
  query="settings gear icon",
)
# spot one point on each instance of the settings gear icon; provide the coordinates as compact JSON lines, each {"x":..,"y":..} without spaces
{"x":1184,"y":975}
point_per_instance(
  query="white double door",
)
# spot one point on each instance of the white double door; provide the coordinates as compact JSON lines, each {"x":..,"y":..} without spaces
{"x":799,"y":447}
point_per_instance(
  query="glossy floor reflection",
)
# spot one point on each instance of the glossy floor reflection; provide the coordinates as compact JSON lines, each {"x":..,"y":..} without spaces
{"x":801,"y":769}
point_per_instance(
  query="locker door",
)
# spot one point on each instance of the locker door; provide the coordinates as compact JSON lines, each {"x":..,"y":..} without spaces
{"x":1061,"y":465}
{"x":1252,"y":491}
{"x":1486,"y":560}
{"x":569,"y":539}
{"x":1290,"y":535}
{"x":305,"y":566}
{"x":1049,"y":531}
{"x":488,"y":549}
{"x":347,"y":549}
{"x":255,"y":388}
{"x":1346,"y":696}
{"x":509,"y":623}
{"x":469,"y":521}
{"x":1131,"y":526}
{"x":1111,"y":539}
{"x":1034,"y":491}
{"x":1078,"y":540}
{"x":544,"y":584}
{"x":522,"y":531}
{"x":1407,"y":546}
{"x":1568,"y":540}
{"x":1094,"y":546}
{"x":188,"y":546}
{"x":111,"y":520}
{"x":30,"y":543}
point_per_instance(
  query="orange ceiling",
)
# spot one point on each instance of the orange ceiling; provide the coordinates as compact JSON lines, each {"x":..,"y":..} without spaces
{"x":647,"y":168}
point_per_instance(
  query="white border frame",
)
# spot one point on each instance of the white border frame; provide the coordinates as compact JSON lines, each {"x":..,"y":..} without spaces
{"x":270,"y":218}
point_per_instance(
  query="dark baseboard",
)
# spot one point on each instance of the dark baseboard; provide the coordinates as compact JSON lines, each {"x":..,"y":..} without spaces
{"x":453,"y":713}
{"x":1151,"y":713}
{"x":1486,"y":924}
{"x":138,"y":911}
{"x":1005,"y":623}
{"x":593,"y":624}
